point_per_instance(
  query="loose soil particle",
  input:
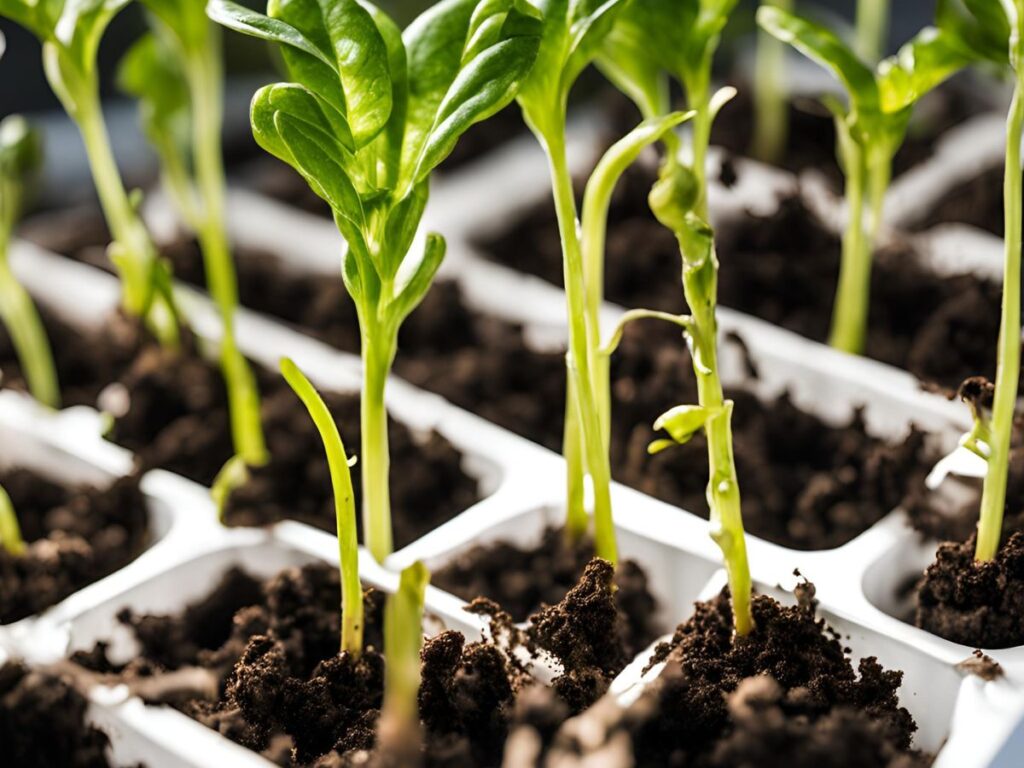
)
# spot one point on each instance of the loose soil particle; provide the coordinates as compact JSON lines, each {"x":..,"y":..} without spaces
{"x":787,"y":694}
{"x":975,"y":603}
{"x":283,"y":690}
{"x":42,"y":722}
{"x":74,"y":536}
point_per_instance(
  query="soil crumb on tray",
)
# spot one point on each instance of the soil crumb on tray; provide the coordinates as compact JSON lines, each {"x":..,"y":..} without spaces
{"x":42,"y":722}
{"x":74,"y":536}
{"x":975,"y":603}
{"x":280,"y":687}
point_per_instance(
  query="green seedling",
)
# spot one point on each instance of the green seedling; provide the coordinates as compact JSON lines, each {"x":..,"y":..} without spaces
{"x":771,"y":115}
{"x":344,"y":507}
{"x":872,"y":30}
{"x":399,"y":738}
{"x":871,"y":126}
{"x":10,"y":531}
{"x":20,"y":159}
{"x":176,"y":73}
{"x":70,"y":33}
{"x":369,"y":114}
{"x":994,"y":33}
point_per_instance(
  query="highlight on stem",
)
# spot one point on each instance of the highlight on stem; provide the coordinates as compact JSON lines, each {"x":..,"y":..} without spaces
{"x":871,"y":126}
{"x":994,"y":34}
{"x":71,"y":33}
{"x":176,"y":73}
{"x":344,"y":507}
{"x":20,"y":160}
{"x":369,"y":113}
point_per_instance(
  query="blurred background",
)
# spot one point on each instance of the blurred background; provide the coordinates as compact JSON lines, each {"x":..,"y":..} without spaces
{"x":23,"y":87}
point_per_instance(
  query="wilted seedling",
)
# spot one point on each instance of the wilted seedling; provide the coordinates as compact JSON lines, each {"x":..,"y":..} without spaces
{"x":344,"y":507}
{"x":71,"y":33}
{"x":20,"y":158}
{"x":369,"y":115}
{"x":994,"y":34}
{"x":871,"y":126}
{"x":176,"y":73}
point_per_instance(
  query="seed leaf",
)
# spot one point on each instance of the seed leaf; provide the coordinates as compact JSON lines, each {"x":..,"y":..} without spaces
{"x":919,"y":66}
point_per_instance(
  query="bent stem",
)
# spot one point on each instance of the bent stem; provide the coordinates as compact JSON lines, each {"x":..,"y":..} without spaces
{"x":10,"y":531}
{"x":344,"y":507}
{"x":771,"y":118}
{"x":591,"y":456}
{"x":205,"y":76}
{"x":850,"y":309}
{"x":24,"y":326}
{"x":379,"y":346}
{"x":993,"y":497}
{"x":872,"y":29}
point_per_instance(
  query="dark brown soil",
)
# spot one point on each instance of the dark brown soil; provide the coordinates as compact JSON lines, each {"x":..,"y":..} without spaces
{"x":787,"y":694}
{"x":74,"y":536}
{"x":522,"y":580}
{"x":975,"y":603}
{"x":42,"y":722}
{"x":978,"y":202}
{"x":280,"y":687}
{"x":783,"y":269}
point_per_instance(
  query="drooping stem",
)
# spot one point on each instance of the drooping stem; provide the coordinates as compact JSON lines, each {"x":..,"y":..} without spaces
{"x":771,"y":117}
{"x":344,"y":508}
{"x":872,"y":29}
{"x":379,"y":345}
{"x":205,"y":77}
{"x":24,"y":326}
{"x":850,"y":309}
{"x":10,"y":531}
{"x":993,"y":498}
{"x":580,"y":343}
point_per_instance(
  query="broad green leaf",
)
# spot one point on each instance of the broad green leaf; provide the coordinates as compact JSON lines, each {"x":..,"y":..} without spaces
{"x":980,"y":26}
{"x":402,"y":223}
{"x":39,"y":17}
{"x":301,"y":104}
{"x":416,"y":288}
{"x":823,"y":46}
{"x":920,"y":65}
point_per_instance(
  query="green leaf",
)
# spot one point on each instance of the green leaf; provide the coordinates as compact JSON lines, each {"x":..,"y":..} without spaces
{"x":248,"y":22}
{"x":402,"y":224}
{"x":823,"y":46}
{"x":81,"y":26}
{"x":589,"y":22}
{"x":416,"y":288}
{"x":388,"y":146}
{"x":682,"y":423}
{"x":920,"y":65}
{"x":981,"y":27}
{"x":186,"y":20}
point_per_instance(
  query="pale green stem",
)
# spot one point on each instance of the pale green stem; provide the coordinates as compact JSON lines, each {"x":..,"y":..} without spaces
{"x":850,"y":310}
{"x":576,"y":521}
{"x":580,"y":370}
{"x":205,"y":76}
{"x":28,"y":336}
{"x":872,"y":29}
{"x":771,"y":115}
{"x":10,"y":531}
{"x":698,"y":94}
{"x":379,"y":345}
{"x":993,"y":498}
{"x":344,"y":508}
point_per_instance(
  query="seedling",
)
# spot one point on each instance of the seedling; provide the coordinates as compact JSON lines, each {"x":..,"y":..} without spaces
{"x":988,"y":33}
{"x":369,"y":114}
{"x":771,"y":116}
{"x":871,"y":126}
{"x":399,"y":737}
{"x":20,"y":158}
{"x":10,"y":531}
{"x":872,"y":29}
{"x":177,"y":75}
{"x":71,"y":33}
{"x":344,"y":507}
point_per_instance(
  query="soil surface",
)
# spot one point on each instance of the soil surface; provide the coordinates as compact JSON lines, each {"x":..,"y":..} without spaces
{"x":524,"y":579}
{"x":782,"y":268}
{"x":258,"y":662}
{"x":978,"y":202}
{"x":975,"y":603}
{"x":785,"y":695}
{"x":73,"y":535}
{"x":42,"y":722}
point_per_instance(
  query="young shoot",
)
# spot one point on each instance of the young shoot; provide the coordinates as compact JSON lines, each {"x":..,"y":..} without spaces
{"x":10,"y":531}
{"x":176,"y":74}
{"x":369,"y":114}
{"x":996,"y":34}
{"x":71,"y":33}
{"x":344,"y":508}
{"x":872,"y":32}
{"x":399,"y":740}
{"x":771,"y":113}
{"x":20,"y":158}
{"x":871,"y":126}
